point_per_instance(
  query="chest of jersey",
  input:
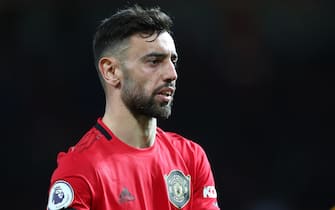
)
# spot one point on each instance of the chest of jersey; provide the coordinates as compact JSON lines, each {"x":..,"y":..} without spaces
{"x":158,"y":179}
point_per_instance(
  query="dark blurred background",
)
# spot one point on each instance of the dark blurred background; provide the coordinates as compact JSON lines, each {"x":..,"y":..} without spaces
{"x":255,"y":89}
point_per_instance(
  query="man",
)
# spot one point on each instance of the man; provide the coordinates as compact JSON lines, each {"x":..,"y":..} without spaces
{"x":125,"y":161}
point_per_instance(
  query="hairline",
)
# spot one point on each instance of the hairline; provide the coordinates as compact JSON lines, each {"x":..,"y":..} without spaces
{"x":116,"y":50}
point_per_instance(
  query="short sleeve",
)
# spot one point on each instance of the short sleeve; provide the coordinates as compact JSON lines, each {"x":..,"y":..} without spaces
{"x":71,"y":184}
{"x":69,"y":192}
{"x":204,"y":192}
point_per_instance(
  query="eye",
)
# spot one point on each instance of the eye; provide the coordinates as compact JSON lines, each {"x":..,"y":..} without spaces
{"x":174,"y":60}
{"x":155,"y":61}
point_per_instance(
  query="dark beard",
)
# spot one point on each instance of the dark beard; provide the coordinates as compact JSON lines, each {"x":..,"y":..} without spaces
{"x":138,"y":103}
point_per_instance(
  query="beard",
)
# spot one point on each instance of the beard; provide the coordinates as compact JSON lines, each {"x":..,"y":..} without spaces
{"x":139,"y":103}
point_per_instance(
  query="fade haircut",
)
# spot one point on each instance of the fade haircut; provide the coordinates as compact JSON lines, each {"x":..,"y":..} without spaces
{"x":115,"y":30}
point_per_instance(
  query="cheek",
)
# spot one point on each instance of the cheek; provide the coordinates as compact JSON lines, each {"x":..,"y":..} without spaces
{"x":151,"y":86}
{"x":148,"y":81}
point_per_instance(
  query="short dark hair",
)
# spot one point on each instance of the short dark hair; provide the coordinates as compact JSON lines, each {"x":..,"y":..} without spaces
{"x":127,"y":22}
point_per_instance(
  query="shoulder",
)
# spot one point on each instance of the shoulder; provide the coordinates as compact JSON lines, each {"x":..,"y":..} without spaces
{"x":85,"y":144}
{"x":79,"y":159}
{"x":180,"y":142}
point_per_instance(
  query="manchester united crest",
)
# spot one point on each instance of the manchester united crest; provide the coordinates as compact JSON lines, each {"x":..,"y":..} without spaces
{"x":179,"y":188}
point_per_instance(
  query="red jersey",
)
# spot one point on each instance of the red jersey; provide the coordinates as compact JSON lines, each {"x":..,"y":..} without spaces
{"x":103,"y":173}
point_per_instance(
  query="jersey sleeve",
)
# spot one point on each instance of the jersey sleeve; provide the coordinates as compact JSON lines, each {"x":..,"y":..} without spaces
{"x":204,"y":192}
{"x":70,"y":186}
{"x":69,"y":193}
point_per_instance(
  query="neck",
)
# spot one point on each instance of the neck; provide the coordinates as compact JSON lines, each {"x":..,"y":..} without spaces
{"x":138,"y":132}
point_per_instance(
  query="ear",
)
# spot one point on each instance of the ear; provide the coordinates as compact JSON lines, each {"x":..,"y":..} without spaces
{"x":109,"y":70}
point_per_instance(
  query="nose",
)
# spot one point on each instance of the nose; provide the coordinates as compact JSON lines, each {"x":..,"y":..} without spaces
{"x":170,"y":73}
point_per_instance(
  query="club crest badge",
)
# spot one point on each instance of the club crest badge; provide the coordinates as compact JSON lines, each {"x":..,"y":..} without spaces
{"x":179,"y":188}
{"x":61,"y":195}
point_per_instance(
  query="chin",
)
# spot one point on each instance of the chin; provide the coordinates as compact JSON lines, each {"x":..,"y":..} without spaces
{"x":164,"y":114}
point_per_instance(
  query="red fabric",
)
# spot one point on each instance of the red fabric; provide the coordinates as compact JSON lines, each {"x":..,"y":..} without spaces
{"x":109,"y":174}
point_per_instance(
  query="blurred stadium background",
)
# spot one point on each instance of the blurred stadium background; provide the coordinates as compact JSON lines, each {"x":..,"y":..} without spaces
{"x":255,"y":89}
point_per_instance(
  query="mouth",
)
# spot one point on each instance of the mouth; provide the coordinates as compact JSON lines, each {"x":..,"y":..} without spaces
{"x":166,"y":91}
{"x":166,"y":94}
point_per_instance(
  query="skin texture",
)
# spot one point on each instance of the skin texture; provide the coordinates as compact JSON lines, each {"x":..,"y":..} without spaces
{"x":139,"y":87}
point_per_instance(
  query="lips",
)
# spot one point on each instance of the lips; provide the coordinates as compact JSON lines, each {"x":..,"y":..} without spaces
{"x":165,"y":94}
{"x":167,"y":91}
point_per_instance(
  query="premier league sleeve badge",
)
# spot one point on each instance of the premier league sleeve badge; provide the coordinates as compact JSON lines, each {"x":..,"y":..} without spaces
{"x":179,"y":188}
{"x":60,"y":196}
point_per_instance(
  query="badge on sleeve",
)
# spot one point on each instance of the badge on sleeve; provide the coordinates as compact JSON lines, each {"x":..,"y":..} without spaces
{"x":61,"y":195}
{"x":179,"y":188}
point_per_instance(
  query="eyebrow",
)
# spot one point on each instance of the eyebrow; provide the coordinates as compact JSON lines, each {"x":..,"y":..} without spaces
{"x":159,"y":55}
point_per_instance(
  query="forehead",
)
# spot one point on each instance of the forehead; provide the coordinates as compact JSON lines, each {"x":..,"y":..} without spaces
{"x":140,"y":45}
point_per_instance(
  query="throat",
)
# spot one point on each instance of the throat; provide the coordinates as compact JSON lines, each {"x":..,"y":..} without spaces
{"x":141,"y":134}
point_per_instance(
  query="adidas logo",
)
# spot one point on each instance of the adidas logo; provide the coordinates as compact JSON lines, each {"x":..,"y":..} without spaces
{"x":125,"y":196}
